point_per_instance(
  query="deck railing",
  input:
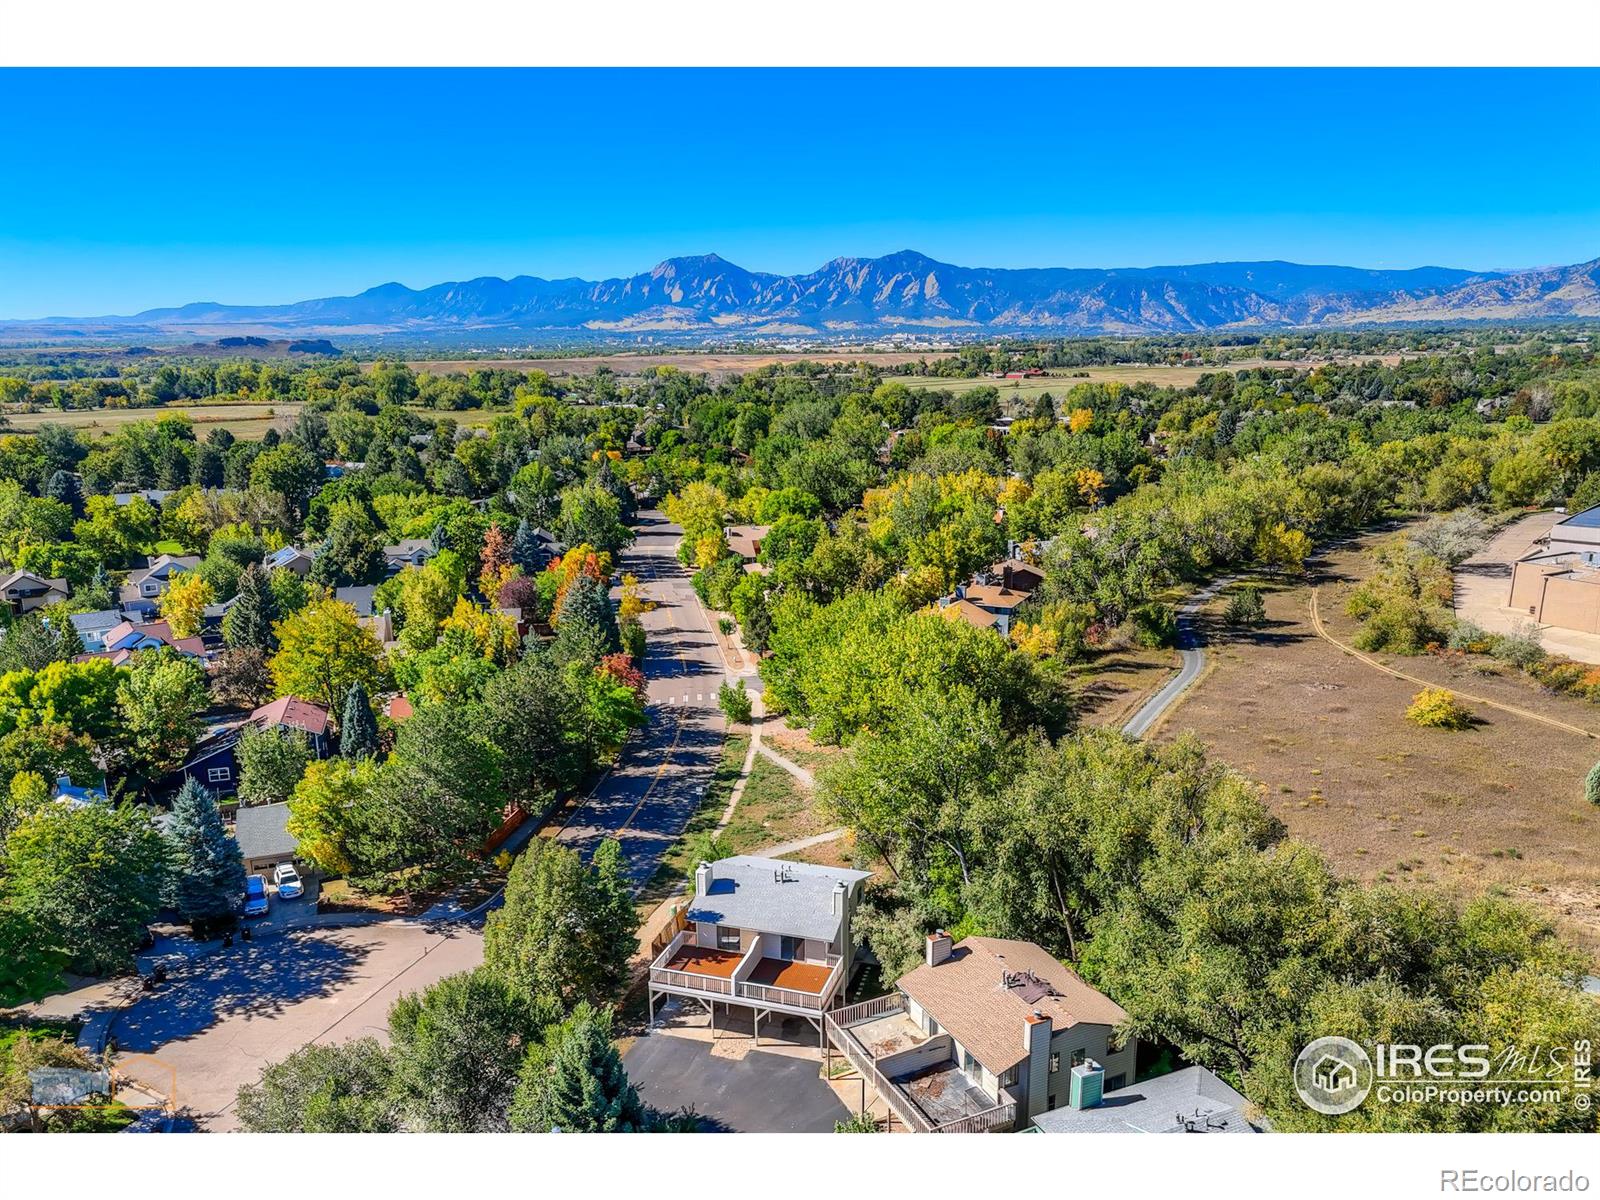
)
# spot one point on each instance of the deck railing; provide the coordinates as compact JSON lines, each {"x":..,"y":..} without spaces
{"x":869,"y":1010}
{"x":1001,"y":1116}
{"x":688,"y":980}
{"x":862,"y":1061}
{"x":768,"y":993}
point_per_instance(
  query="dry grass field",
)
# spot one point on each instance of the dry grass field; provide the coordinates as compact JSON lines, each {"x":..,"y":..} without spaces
{"x":1499,"y":806}
{"x":709,"y":363}
{"x":246,"y":421}
{"x":1112,"y":685}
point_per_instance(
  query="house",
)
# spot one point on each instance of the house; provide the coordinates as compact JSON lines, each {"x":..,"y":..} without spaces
{"x":23,"y":591}
{"x":1014,"y":574}
{"x":745,"y":540}
{"x":92,"y":627}
{"x":550,"y":548}
{"x":1189,"y":1100}
{"x":408,"y":552}
{"x":122,"y":641}
{"x":984,"y":1035}
{"x":214,"y":761}
{"x":764,"y":935}
{"x":262,"y":831}
{"x":953,"y":609}
{"x":289,"y":558}
{"x":146,"y":585}
{"x":1559,"y":588}
{"x":358,"y":598}
{"x":155,"y":496}
{"x":1577,"y":533}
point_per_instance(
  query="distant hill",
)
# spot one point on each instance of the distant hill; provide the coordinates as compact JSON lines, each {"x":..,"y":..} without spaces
{"x":906,"y":291}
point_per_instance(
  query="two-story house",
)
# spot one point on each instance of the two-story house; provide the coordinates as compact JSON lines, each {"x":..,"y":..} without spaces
{"x":141,"y":595}
{"x":24,"y":591}
{"x":983,"y":1035}
{"x":214,"y":761}
{"x":408,"y":552}
{"x":765,"y":935}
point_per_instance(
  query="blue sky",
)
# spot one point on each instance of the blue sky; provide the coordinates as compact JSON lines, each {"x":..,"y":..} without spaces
{"x":132,"y":189}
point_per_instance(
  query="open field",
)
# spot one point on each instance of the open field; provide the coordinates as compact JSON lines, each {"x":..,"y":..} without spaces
{"x":1499,"y":806}
{"x":710,"y":363}
{"x":248,"y":422}
{"x":796,"y":745}
{"x":1112,"y":685}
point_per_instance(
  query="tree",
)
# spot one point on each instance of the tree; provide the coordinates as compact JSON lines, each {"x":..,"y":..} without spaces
{"x":248,"y":623}
{"x":566,"y":931}
{"x":271,"y":762}
{"x":289,"y":470}
{"x":735,"y":703}
{"x":1245,"y":607}
{"x":585,"y":603}
{"x":574,"y":1081}
{"x":160,"y":701}
{"x":183,"y":604}
{"x":330,"y":809}
{"x":530,"y":711}
{"x":340,"y":1088}
{"x":527,"y":551}
{"x":496,"y":564}
{"x":89,"y":880}
{"x":458,"y":1048}
{"x":207,"y":870}
{"x":322,"y":650}
{"x":358,"y":728}
{"x":592,"y":515}
{"x":1591,"y":785}
{"x":29,"y":968}
{"x":63,"y":488}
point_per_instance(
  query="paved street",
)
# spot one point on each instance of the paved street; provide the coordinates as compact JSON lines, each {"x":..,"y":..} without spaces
{"x":658,"y":783}
{"x":216,"y":1023}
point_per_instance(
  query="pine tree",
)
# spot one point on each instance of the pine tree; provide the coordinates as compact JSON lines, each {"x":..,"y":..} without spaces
{"x":575,"y":1081}
{"x":1591,"y":784}
{"x":586,"y":603}
{"x":207,"y":870}
{"x":248,"y":625}
{"x":358,"y":728}
{"x":527,"y":551}
{"x":63,"y":486}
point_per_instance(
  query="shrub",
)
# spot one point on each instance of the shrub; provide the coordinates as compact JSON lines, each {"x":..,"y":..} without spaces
{"x":1403,"y":626}
{"x":735,"y":703}
{"x":861,"y":1123}
{"x":726,"y":625}
{"x":1245,"y":606}
{"x":1521,"y":649}
{"x":633,"y":640}
{"x":1591,"y":785}
{"x":1154,"y":625}
{"x":1438,"y":708}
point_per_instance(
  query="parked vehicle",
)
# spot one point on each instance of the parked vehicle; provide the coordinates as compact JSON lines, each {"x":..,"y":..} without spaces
{"x":287,"y":881}
{"x":255,"y":896}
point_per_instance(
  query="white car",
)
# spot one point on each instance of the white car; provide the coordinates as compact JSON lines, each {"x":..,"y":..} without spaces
{"x":287,"y":880}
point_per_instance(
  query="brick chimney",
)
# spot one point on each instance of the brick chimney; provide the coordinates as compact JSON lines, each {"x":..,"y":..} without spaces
{"x":939,"y":947}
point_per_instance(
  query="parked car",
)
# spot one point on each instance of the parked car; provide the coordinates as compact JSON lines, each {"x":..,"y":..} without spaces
{"x":255,"y":895}
{"x":287,"y":881}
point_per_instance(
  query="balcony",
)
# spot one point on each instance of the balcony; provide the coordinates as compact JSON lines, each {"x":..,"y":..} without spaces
{"x":752,"y":977}
{"x":695,"y":968}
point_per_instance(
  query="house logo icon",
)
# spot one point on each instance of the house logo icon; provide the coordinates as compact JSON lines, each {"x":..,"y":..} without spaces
{"x":1333,"y":1075}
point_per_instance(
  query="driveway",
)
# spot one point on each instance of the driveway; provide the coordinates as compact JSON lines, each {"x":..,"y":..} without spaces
{"x":646,"y":800}
{"x":218,"y":1021}
{"x":760,"y":1092}
{"x":1483,"y":585}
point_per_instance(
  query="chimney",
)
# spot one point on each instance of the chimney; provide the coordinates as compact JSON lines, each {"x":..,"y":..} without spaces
{"x":839,"y":892}
{"x":1035,"y":1091}
{"x":703,"y":876}
{"x":939,"y":947}
{"x":1005,"y":578}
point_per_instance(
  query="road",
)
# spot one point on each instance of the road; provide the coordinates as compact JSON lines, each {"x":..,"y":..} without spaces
{"x":1192,"y":661}
{"x":646,"y":800}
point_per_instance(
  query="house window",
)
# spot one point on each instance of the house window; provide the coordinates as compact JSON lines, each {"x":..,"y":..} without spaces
{"x":1055,"y":1061}
{"x":1050,"y":1104}
{"x":727,"y":937}
{"x":1116,"y":1082}
{"x":218,"y":774}
{"x":1078,"y":1057}
{"x":1009,"y":1079}
{"x":791,"y":949}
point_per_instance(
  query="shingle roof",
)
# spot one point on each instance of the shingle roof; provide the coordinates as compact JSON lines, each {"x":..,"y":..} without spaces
{"x":965,"y":994}
{"x":774,"y":896}
{"x":262,"y":831}
{"x":745,"y":540}
{"x":994,"y":596}
{"x":965,"y":610}
{"x":358,"y":598}
{"x":1190,"y":1100}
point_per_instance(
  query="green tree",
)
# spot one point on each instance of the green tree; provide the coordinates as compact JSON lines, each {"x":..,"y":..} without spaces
{"x":585,"y":603}
{"x":574,"y":1081}
{"x":457,"y":1051}
{"x":88,"y":879}
{"x":341,"y":1088}
{"x":29,"y":967}
{"x":358,"y":728}
{"x":160,"y":702}
{"x":566,"y":931}
{"x":271,"y":762}
{"x":207,"y":870}
{"x":249,"y":620}
{"x":735,"y":703}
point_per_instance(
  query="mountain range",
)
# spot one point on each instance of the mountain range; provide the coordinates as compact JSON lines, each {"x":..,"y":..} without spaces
{"x":706,"y":296}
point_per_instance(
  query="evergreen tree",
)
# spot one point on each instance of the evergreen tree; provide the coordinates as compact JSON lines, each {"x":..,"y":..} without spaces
{"x":1591,"y":785}
{"x":63,"y":486}
{"x":248,"y":625}
{"x":358,"y":728}
{"x":527,"y":551}
{"x":575,"y":1081}
{"x":1044,"y":407}
{"x":207,"y":870}
{"x":586,"y":603}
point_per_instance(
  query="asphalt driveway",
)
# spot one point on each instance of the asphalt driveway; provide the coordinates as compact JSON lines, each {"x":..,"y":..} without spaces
{"x":759,"y":1093}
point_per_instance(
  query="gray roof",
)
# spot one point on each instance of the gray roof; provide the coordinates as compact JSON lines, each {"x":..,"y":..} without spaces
{"x":773,"y":895}
{"x":358,"y":598}
{"x":99,"y":621}
{"x":1191,"y":1100}
{"x":261,"y":831}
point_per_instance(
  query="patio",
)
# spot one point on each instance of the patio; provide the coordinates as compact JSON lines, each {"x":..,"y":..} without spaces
{"x":943,"y":1093}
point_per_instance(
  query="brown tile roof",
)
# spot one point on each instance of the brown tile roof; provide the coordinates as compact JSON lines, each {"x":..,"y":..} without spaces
{"x":966,"y":996}
{"x":965,"y":610}
{"x":294,"y":713}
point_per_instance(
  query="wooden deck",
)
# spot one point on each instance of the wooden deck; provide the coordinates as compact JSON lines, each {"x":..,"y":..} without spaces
{"x":701,"y":960}
{"x":797,"y":976}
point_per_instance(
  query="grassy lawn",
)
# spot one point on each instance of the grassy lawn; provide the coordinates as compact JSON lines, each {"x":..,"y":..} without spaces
{"x":246,"y":421}
{"x":775,"y":808}
{"x":1498,"y":807}
{"x":796,"y":745}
